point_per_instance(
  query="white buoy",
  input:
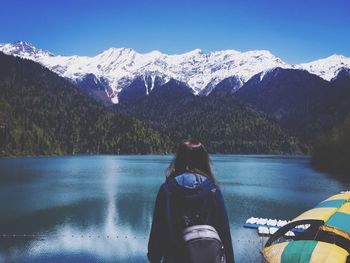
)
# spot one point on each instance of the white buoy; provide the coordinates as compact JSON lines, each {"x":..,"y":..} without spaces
{"x":272,"y":222}
{"x":262,"y":221}
{"x":252,"y":220}
{"x":263,"y":230}
{"x":273,"y":230}
{"x":249,"y":220}
{"x":290,"y":234}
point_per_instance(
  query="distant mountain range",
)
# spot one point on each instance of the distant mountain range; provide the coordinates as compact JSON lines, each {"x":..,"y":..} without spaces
{"x":234,"y":102}
{"x":43,"y":113}
{"x":118,"y":73}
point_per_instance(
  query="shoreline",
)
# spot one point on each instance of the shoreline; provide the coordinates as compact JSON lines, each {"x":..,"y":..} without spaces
{"x":287,"y":155}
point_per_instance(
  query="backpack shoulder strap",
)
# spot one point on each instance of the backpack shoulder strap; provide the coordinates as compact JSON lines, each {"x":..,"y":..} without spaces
{"x":209,"y":206}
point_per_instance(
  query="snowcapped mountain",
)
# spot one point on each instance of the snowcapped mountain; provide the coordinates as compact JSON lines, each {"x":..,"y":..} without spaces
{"x":107,"y":74}
{"x":25,"y":50}
{"x":119,"y":67}
{"x":326,"y":68}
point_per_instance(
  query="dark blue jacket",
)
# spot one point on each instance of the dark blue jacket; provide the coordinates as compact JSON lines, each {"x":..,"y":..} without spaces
{"x":186,"y":190}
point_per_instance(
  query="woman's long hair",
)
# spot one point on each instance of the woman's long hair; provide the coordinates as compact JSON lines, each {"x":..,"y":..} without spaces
{"x":191,"y":156}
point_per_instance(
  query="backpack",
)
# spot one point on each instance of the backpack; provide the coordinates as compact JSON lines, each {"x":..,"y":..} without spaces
{"x":202,"y":243}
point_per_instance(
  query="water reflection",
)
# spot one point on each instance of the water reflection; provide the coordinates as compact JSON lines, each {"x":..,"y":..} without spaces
{"x":111,"y":228}
{"x":99,"y":208}
{"x":107,"y":237}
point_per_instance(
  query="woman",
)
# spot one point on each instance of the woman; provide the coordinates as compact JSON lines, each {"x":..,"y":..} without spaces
{"x":190,"y":185}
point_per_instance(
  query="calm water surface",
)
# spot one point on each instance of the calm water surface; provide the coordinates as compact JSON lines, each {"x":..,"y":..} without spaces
{"x":99,"y":208}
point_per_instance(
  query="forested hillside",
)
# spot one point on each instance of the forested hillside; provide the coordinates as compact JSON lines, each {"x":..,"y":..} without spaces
{"x":42,"y":113}
{"x":222,"y":123}
{"x":302,"y":103}
{"x":331,"y":151}
{"x":279,"y":111}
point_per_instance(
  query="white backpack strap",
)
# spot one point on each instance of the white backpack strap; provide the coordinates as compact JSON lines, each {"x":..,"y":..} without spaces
{"x":199,"y":232}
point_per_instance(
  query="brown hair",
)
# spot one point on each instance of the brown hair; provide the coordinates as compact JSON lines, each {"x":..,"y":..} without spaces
{"x":191,"y":156}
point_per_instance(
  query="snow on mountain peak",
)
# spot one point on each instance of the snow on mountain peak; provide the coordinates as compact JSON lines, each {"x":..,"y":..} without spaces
{"x":337,"y":56}
{"x":23,"y":49}
{"x":224,"y":52}
{"x":327,"y":68}
{"x":118,"y":67}
{"x":23,"y":46}
{"x":116,"y":51}
{"x":195,"y":52}
{"x":154,"y":53}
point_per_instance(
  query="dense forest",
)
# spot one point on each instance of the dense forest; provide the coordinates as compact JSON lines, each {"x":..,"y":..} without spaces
{"x":302,"y":103}
{"x":222,"y":123}
{"x":331,"y":151}
{"x":42,"y":113}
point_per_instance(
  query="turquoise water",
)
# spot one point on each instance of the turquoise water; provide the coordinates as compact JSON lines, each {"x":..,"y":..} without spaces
{"x":99,"y":208}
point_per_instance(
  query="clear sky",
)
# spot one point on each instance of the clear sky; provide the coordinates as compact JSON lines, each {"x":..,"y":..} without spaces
{"x":295,"y":30}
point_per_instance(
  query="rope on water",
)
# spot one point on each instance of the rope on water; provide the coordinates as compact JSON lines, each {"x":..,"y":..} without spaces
{"x":112,"y":236}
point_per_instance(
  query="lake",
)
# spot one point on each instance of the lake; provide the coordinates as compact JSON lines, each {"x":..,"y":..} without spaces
{"x":99,"y":208}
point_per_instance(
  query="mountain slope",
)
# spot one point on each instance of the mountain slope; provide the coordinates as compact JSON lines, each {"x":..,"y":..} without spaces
{"x":42,"y":113}
{"x":302,"y":103}
{"x":222,"y":123}
{"x":146,"y":85}
{"x":326,"y":68}
{"x":331,"y":150}
{"x":227,"y":86}
{"x":342,"y":79}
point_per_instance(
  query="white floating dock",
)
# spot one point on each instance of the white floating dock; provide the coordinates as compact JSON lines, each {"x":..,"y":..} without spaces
{"x":267,"y":226}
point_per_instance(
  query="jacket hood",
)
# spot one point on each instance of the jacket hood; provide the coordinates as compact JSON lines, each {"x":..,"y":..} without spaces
{"x":190,"y":186}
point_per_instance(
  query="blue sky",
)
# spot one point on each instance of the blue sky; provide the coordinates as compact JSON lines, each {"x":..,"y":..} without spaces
{"x":297,"y":31}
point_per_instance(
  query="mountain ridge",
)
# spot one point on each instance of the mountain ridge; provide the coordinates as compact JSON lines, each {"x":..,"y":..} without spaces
{"x":106,"y":75}
{"x":301,"y":102}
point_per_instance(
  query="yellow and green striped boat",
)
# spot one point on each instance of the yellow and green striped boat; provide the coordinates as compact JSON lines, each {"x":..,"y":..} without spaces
{"x":325,"y":240}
